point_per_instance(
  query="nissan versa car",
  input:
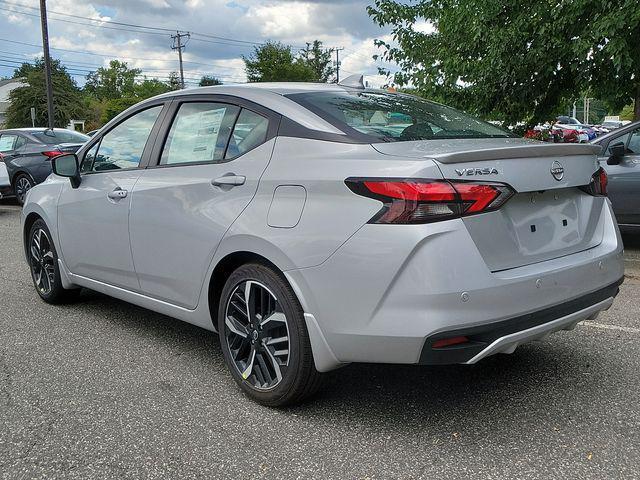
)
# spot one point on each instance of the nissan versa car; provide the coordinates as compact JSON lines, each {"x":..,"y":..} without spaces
{"x":314,"y":226}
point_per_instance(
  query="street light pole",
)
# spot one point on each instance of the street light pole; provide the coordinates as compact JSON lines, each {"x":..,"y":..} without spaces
{"x":47,"y":62}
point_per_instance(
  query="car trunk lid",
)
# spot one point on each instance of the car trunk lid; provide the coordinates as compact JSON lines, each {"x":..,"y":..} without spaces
{"x":548,"y":217}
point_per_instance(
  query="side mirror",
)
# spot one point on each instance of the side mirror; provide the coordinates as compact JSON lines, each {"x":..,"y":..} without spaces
{"x":617,"y":152}
{"x":67,"y":166}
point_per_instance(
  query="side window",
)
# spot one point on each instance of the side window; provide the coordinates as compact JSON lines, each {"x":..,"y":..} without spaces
{"x":621,"y":139}
{"x":249,"y":132}
{"x":121,"y":148}
{"x":199,"y":133}
{"x":20,"y":142}
{"x":7,"y":142}
{"x":634,"y":142}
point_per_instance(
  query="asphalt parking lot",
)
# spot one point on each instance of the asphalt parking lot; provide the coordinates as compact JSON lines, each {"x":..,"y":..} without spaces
{"x":104,"y":389}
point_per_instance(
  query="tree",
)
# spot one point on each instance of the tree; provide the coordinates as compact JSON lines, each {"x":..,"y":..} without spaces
{"x":116,"y":106}
{"x":174,"y":81}
{"x":209,"y":80}
{"x":275,"y":62}
{"x":319,"y":59}
{"x":502,"y":60}
{"x":68,"y":103}
{"x":150,"y":88}
{"x":116,"y":81}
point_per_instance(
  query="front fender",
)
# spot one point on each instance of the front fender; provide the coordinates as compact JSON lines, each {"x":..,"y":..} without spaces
{"x":42,"y":201}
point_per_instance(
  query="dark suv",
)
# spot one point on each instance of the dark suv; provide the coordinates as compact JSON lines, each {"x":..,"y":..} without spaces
{"x":27,"y":153}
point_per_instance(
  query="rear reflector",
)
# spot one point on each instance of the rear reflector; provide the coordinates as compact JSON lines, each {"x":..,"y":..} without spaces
{"x":410,"y":201}
{"x":447,"y":342}
{"x":51,"y":153}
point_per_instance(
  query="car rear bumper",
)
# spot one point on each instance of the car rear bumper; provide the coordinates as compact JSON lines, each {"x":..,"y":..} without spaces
{"x":388,"y":291}
{"x":505,"y":336}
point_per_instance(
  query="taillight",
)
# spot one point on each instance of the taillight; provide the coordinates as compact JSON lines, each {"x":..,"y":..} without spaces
{"x":51,"y":153}
{"x":598,"y":184}
{"x":411,"y":201}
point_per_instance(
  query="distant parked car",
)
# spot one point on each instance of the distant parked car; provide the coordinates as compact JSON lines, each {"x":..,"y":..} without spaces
{"x":92,"y":132}
{"x":620,"y":157}
{"x":27,"y":153}
{"x":611,"y":124}
{"x":569,"y":125}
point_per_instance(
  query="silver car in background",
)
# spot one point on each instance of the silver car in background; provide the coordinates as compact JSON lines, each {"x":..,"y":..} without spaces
{"x":314,"y":226}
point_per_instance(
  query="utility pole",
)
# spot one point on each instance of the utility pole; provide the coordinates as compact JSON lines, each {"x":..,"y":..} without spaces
{"x":338,"y":50}
{"x":178,"y":45}
{"x":47,"y":62}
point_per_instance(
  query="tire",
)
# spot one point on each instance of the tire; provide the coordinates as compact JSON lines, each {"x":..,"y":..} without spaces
{"x":43,"y":264}
{"x":280,"y":316}
{"x":21,"y":185}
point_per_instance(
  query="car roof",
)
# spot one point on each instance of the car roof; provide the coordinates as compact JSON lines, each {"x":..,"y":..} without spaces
{"x":272,"y":96}
{"x":32,"y":130}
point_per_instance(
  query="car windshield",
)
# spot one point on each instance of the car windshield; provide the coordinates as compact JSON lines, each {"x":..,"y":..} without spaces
{"x":392,"y":117}
{"x":53,"y":137}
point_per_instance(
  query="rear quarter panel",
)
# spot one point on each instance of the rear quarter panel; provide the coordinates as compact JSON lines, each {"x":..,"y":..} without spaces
{"x":331,"y":212}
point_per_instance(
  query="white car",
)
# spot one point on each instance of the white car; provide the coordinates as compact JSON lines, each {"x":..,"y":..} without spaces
{"x":315,"y":225}
{"x":5,"y":183}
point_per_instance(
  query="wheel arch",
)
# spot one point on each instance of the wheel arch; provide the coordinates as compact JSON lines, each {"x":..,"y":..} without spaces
{"x":29,"y":220}
{"x":224,"y":268}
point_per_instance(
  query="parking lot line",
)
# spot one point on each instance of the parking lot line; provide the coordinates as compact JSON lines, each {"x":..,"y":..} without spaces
{"x":610,"y":327}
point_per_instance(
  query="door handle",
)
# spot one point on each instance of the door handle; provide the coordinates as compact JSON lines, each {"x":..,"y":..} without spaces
{"x":117,"y":194}
{"x":230,"y":180}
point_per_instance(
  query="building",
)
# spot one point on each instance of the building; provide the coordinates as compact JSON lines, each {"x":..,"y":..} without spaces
{"x":5,"y":88}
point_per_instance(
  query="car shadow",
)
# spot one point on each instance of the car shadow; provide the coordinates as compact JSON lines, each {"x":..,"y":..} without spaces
{"x":534,"y":379}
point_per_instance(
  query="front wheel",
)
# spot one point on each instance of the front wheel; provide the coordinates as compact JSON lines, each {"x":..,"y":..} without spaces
{"x":43,"y":263}
{"x":264,"y":337}
{"x":21,"y":186}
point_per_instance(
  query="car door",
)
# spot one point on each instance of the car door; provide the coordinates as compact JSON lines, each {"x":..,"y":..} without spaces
{"x":209,"y":161}
{"x":93,"y":219}
{"x":624,"y":178}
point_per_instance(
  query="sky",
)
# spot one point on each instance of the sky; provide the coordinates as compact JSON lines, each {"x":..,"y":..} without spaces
{"x":223,"y":31}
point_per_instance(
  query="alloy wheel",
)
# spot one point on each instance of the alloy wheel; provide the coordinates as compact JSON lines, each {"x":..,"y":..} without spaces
{"x":23,"y":185}
{"x":42,"y":261}
{"x":257,"y":335}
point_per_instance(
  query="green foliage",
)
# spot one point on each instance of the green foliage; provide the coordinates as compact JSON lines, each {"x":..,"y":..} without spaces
{"x":209,"y":80}
{"x":68,"y":103}
{"x":116,"y":106}
{"x":627,"y":113}
{"x":174,"y":81}
{"x":116,"y":81}
{"x":513,"y":60}
{"x":319,"y":59}
{"x":150,"y":88}
{"x":275,"y":62}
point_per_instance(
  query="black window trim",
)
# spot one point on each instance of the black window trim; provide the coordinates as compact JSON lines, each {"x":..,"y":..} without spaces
{"x":156,"y":155}
{"x":146,"y":152}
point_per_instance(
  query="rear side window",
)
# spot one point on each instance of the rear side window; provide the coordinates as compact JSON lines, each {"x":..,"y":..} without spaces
{"x":249,"y":132}
{"x":7,"y":142}
{"x":121,"y":148}
{"x":199,"y":133}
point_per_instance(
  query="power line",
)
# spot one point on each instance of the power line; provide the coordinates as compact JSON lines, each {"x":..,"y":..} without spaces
{"x":84,"y":52}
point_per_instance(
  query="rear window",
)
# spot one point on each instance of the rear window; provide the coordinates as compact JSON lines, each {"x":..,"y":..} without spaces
{"x":389,"y":117}
{"x":60,"y":136}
